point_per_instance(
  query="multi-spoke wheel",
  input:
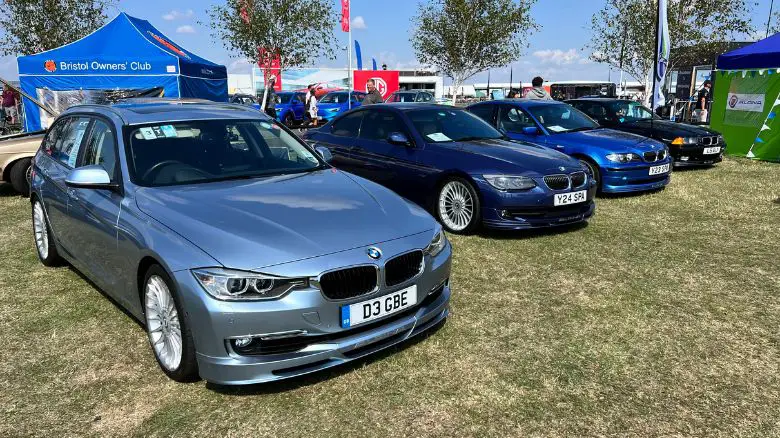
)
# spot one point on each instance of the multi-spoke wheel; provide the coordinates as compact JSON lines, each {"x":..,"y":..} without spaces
{"x":44,"y":243}
{"x":458,"y":206}
{"x":593,"y":169}
{"x":168,"y":333}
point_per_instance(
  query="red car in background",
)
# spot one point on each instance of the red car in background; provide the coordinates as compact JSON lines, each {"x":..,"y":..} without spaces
{"x":322,"y":88}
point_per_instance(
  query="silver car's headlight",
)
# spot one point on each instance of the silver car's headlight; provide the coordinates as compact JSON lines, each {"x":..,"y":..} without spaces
{"x":624,"y":158}
{"x":437,"y":244}
{"x":510,"y":182}
{"x":228,"y":284}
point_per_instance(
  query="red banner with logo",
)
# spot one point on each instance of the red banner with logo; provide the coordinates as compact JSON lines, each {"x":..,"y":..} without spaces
{"x":386,"y":81}
{"x":345,"y":15}
{"x":269,"y":61}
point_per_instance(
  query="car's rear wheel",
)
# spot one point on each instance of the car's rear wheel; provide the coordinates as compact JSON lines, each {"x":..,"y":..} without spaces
{"x":20,"y":176}
{"x":594,"y":172}
{"x":44,"y":241}
{"x":458,"y":207}
{"x":167,"y":328}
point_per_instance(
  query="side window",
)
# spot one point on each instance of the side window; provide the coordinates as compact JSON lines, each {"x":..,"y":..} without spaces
{"x":54,"y":133}
{"x":348,"y":126}
{"x":484,"y":112}
{"x":100,"y":149}
{"x":380,"y":124}
{"x":514,"y":119}
{"x":67,"y":143}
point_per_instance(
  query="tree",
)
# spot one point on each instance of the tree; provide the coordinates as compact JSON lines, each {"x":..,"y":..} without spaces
{"x":298,"y":32}
{"x":464,"y":37}
{"x":623,"y":32}
{"x":32,"y":26}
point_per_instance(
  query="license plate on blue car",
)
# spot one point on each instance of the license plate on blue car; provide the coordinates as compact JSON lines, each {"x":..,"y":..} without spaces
{"x":570,"y":198}
{"x":375,"y":308}
{"x":657,"y":170}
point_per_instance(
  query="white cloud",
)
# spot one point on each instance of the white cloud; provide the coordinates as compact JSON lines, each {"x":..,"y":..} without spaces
{"x":185,"y":29}
{"x":358,"y":22}
{"x":557,"y":56}
{"x":178,"y":15}
{"x":242,"y":65}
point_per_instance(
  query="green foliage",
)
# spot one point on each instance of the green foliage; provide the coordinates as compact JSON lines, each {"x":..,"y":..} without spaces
{"x":626,"y":29}
{"x":298,"y":31}
{"x":32,"y":26}
{"x":464,"y":37}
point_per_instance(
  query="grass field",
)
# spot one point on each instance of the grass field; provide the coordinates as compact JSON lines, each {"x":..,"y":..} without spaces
{"x":659,"y":318}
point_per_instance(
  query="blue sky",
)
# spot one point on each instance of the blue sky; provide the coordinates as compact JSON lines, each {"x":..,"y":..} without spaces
{"x":382,"y":27}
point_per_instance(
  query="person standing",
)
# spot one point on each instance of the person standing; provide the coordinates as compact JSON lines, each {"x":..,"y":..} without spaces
{"x":373,"y":95}
{"x":538,"y":92}
{"x":703,"y":100}
{"x":311,"y":106}
{"x":9,"y":103}
{"x":269,"y":106}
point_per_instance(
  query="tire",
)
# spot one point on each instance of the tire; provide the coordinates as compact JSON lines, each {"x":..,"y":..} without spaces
{"x":594,"y":171}
{"x":289,"y":120}
{"x":167,"y":327}
{"x":44,"y":239}
{"x":19,"y":176}
{"x":458,"y":207}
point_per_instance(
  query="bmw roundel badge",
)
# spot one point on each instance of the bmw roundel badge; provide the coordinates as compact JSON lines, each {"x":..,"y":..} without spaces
{"x":562,"y":169}
{"x":374,"y":253}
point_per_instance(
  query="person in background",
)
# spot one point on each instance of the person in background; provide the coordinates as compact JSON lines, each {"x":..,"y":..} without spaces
{"x":373,"y":95}
{"x":538,"y":92}
{"x":270,"y":99}
{"x":9,"y":103}
{"x":311,"y":106}
{"x":512,"y":94}
{"x":703,"y":100}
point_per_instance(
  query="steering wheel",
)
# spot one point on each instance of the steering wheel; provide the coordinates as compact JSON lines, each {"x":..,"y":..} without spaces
{"x":157,"y":167}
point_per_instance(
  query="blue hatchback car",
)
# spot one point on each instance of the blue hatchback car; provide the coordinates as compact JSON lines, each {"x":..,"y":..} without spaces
{"x":290,"y":107}
{"x":335,"y":103}
{"x":619,"y":161}
{"x":247,"y":256}
{"x":456,"y":165}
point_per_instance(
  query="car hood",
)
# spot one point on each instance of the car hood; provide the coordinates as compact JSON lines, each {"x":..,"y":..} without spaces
{"x":609,"y":140}
{"x":669,"y":130}
{"x":520,"y":157}
{"x":251,"y":224}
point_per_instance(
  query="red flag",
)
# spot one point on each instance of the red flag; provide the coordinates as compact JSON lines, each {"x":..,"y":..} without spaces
{"x":345,"y":15}
{"x":246,"y":5}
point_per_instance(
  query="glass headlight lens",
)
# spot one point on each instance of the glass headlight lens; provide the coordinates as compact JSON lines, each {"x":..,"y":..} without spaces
{"x":228,"y":284}
{"x":437,"y":244}
{"x":679,"y":141}
{"x":624,"y":158}
{"x":510,"y":182}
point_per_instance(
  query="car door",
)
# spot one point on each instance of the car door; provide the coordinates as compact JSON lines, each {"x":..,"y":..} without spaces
{"x":512,"y":120}
{"x":94,"y":212}
{"x":393,"y":166}
{"x":63,"y":145}
{"x":297,"y":106}
{"x":339,"y":137}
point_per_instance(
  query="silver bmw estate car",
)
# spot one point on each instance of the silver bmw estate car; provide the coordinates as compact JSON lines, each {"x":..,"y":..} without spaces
{"x":247,"y":256}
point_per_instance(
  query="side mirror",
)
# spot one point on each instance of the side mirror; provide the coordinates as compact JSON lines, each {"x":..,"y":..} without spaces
{"x":531,"y":130}
{"x":398,"y":138}
{"x":90,"y":177}
{"x":324,"y":153}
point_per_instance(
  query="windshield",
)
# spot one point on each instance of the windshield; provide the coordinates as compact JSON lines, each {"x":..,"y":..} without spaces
{"x":445,"y":125}
{"x":334,"y":98}
{"x":202,"y":151}
{"x":558,"y":118}
{"x":402,"y":97}
{"x":627,"y":111}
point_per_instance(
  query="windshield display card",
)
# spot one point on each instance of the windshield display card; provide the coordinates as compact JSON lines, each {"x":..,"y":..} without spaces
{"x":148,"y":133}
{"x":438,"y":136}
{"x":168,"y":130}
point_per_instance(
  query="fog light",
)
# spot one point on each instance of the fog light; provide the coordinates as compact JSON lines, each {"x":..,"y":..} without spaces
{"x":242,"y":342}
{"x":505,"y":214}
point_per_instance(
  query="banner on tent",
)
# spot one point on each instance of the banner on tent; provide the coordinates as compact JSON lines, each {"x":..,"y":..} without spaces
{"x":745,"y":102}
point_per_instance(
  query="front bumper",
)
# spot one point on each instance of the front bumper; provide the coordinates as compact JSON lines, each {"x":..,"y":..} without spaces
{"x":634,"y":177}
{"x":323,"y":342}
{"x":532,"y":208}
{"x":684,"y":156}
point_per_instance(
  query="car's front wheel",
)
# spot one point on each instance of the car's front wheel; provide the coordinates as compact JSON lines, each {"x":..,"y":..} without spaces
{"x":289,"y":120}
{"x":20,"y":176}
{"x":44,"y":241}
{"x":167,"y":328}
{"x":593,"y":169}
{"x":458,"y":207}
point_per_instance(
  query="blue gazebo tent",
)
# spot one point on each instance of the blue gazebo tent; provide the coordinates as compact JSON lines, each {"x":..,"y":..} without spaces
{"x":126,"y":57}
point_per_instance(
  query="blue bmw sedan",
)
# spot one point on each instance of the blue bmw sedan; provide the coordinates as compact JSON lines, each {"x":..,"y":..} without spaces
{"x":456,"y":165}
{"x":619,"y":161}
{"x":246,"y":255}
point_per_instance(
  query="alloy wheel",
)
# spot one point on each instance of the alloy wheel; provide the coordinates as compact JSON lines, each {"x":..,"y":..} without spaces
{"x":162,"y":323}
{"x":456,"y":206}
{"x":41,"y":231}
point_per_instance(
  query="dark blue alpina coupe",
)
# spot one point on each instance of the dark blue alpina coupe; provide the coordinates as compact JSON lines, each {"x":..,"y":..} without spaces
{"x":458,"y":166}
